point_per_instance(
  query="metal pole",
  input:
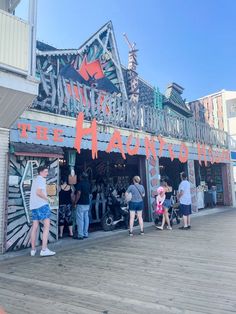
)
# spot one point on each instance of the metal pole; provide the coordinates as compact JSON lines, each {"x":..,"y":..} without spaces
{"x":32,"y":19}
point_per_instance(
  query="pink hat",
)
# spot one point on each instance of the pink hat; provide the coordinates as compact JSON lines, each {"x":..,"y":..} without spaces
{"x":160,"y":189}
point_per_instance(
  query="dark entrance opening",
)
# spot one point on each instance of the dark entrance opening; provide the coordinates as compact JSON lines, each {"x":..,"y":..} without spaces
{"x":170,"y":170}
{"x":107,"y":172}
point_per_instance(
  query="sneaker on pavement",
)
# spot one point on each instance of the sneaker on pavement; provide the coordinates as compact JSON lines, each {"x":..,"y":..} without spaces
{"x":169,"y":228}
{"x":183,"y":228}
{"x":131,"y":234}
{"x":47,"y":252}
{"x":32,"y":252}
{"x":141,"y":232}
{"x":159,"y":228}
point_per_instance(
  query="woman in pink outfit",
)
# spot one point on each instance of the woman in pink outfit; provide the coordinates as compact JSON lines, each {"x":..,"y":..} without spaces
{"x":162,"y":208}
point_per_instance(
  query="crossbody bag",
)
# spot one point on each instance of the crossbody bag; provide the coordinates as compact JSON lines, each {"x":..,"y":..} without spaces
{"x":139,"y":191}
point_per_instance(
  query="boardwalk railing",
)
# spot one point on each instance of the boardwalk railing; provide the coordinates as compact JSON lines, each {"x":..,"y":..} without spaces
{"x":67,"y":98}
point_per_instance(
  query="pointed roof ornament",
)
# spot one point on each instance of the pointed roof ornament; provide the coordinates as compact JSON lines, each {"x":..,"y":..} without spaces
{"x":174,"y":99}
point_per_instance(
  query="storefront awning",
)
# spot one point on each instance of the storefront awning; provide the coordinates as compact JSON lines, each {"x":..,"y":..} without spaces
{"x":36,"y":150}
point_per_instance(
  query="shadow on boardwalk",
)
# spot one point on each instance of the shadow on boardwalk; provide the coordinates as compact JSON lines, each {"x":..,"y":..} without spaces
{"x":161,"y":272}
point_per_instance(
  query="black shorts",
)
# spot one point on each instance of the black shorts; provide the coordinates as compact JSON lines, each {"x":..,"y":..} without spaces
{"x":65,"y":215}
{"x":185,"y":210}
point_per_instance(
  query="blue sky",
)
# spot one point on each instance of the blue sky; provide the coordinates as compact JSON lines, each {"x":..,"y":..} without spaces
{"x":190,"y":42}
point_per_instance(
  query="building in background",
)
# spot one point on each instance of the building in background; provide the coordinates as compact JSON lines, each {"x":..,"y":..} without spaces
{"x":18,"y":85}
{"x":90,"y":115}
{"x":219,"y":111}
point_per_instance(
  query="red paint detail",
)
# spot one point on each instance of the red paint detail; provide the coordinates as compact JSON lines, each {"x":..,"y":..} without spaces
{"x":153,"y":172}
{"x":91,"y":69}
{"x":24,"y":127}
{"x":162,"y":144}
{"x":150,"y":146}
{"x":154,"y":182}
{"x":210,"y":153}
{"x":81,"y":132}
{"x":116,"y":142}
{"x":201,"y":150}
{"x":49,"y":155}
{"x":57,"y":135}
{"x":183,"y":153}
{"x":76,"y":91}
{"x":152,"y":162}
{"x":132,"y":151}
{"x":41,"y":133}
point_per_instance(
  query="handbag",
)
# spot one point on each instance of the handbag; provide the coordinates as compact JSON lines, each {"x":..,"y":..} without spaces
{"x":159,"y":210}
{"x":72,"y":180}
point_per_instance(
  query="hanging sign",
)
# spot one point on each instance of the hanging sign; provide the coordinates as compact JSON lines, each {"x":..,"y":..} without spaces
{"x":50,"y":134}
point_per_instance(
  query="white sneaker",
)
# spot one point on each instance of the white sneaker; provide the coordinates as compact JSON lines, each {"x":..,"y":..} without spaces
{"x":33,"y":252}
{"x":159,"y":227}
{"x":47,"y":252}
{"x":169,"y":228}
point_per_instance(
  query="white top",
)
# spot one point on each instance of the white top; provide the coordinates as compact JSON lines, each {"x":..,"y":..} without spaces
{"x":185,"y":199}
{"x":35,"y":200}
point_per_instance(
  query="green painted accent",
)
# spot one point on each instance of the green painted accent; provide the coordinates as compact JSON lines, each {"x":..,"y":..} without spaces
{"x":12,"y":150}
{"x":158,"y":98}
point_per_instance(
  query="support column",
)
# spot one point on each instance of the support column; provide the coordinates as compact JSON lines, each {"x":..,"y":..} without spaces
{"x":232,"y":183}
{"x":192,"y":180}
{"x":153,"y":181}
{"x":227,"y":186}
{"x":4,"y":148}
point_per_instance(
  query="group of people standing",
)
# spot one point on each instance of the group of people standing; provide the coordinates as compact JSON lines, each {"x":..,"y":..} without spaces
{"x":80,"y":198}
{"x":163,"y":203}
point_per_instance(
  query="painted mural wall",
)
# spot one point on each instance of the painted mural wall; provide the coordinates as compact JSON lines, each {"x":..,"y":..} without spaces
{"x":64,"y":75}
{"x":18,"y":216}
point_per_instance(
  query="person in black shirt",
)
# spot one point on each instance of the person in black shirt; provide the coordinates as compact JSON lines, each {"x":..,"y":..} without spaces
{"x":82,"y":202}
{"x":212,"y":189}
{"x":65,"y":207}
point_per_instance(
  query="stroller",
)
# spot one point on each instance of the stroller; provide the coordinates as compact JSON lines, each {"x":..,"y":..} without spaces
{"x":174,"y":214}
{"x":117,"y":213}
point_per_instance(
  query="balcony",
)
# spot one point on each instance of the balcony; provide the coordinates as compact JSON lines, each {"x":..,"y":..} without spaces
{"x":18,"y":85}
{"x":64,"y":97}
{"x":14,"y":49}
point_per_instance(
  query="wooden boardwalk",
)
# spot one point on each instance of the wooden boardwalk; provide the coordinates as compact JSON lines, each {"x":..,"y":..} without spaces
{"x":161,"y":272}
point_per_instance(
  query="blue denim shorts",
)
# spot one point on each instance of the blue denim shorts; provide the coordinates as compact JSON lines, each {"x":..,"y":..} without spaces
{"x":41,"y":213}
{"x":167,"y":203}
{"x":136,"y":206}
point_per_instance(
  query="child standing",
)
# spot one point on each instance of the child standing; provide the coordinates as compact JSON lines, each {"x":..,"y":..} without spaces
{"x":162,"y":208}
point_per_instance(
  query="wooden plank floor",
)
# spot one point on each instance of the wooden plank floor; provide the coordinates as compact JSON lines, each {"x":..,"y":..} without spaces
{"x":161,"y":272}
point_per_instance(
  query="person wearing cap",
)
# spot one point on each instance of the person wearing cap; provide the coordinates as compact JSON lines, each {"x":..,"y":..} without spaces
{"x":163,"y":200}
{"x":82,"y":202}
{"x":136,"y":204}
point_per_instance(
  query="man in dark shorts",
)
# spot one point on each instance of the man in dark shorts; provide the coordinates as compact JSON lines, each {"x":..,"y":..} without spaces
{"x":184,"y":196}
{"x":40,"y":209}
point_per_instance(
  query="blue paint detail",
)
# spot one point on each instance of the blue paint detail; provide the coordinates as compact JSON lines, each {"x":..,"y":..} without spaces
{"x":233,"y":155}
